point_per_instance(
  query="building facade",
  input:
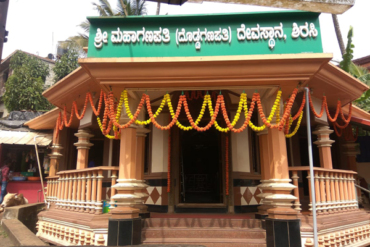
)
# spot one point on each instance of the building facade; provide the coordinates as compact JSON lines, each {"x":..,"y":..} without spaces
{"x":149,"y":124}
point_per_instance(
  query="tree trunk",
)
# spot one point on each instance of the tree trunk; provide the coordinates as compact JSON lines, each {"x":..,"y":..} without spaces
{"x":339,"y":34}
{"x":158,"y":7}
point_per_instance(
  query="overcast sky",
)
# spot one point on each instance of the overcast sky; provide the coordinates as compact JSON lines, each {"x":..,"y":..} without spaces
{"x":34,"y":26}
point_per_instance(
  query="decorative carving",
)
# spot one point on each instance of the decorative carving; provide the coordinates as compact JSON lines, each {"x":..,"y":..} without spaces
{"x":82,"y":238}
{"x":101,"y":240}
{"x":308,"y":243}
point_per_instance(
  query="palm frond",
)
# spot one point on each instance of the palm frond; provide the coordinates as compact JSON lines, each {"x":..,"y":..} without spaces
{"x":85,"y":26}
{"x":100,"y":9}
{"x":357,"y":71}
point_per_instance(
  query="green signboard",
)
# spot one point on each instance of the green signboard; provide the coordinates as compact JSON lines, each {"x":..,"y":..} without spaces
{"x":286,"y":32}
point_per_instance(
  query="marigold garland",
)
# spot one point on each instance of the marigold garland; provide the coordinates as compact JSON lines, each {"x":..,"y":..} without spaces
{"x":296,"y":127}
{"x":112,"y":113}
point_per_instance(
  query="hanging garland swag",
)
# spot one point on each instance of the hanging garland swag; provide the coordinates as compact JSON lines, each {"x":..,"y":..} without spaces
{"x":112,"y":112}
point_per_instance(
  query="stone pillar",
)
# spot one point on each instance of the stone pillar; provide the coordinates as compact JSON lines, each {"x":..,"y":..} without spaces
{"x":282,"y":223}
{"x":83,"y":145}
{"x":140,"y":155}
{"x":351,"y":150}
{"x":265,"y":174}
{"x":125,"y":217}
{"x":324,"y":144}
{"x":55,"y":156}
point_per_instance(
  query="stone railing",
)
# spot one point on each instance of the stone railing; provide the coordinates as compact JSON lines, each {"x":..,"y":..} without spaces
{"x":52,"y":188}
{"x":80,"y":190}
{"x":334,"y":190}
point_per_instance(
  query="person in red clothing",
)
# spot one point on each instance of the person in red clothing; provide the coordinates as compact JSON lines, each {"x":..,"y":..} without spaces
{"x":5,"y":177}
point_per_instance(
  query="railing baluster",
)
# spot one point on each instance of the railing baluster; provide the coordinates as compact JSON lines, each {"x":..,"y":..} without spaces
{"x":78,"y":200}
{"x":337,"y":192}
{"x":310,"y":192}
{"x":88,"y":192}
{"x":297,"y":205}
{"x":355,"y":204}
{"x":322,"y":193}
{"x":341,"y":188}
{"x":74,"y":195}
{"x":332,"y":192}
{"x":70,"y":181}
{"x":93,"y":193}
{"x":83,"y":191}
{"x":56,"y":185}
{"x":99,"y":204}
{"x":113,"y":191}
{"x":60,"y":187}
{"x":317,"y":193}
{"x":328,"y":193}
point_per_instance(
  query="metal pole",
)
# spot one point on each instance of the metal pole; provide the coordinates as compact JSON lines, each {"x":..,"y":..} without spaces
{"x":38,"y":162}
{"x":313,"y":199}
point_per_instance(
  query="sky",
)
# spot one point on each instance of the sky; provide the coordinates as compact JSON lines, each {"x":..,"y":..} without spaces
{"x":36,"y":26}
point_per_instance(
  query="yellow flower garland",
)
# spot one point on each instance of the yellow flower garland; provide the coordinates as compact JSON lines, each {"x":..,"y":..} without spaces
{"x":145,"y":122}
{"x":296,"y":127}
{"x":272,"y":113}
{"x":186,"y":128}
{"x":101,"y":128}
{"x":242,"y":104}
{"x":206,"y":102}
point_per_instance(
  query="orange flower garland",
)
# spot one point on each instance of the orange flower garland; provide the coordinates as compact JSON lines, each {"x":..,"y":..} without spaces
{"x":323,"y":105}
{"x":96,"y":111}
{"x":67,"y":123}
{"x":300,"y":108}
{"x":74,"y":104}
{"x":174,"y":118}
{"x":213,"y":118}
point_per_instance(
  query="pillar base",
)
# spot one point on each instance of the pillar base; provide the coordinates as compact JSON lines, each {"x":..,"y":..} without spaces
{"x":260,"y":216}
{"x":281,"y":233}
{"x":145,"y":215}
{"x":123,"y":232}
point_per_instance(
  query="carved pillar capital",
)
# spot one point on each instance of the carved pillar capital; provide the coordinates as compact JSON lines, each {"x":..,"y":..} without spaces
{"x":55,"y":153}
{"x":324,"y":144}
{"x":83,"y":139}
{"x":323,"y":132}
{"x":83,"y":145}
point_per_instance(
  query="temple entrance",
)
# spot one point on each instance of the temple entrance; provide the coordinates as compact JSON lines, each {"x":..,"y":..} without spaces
{"x":201,"y":167}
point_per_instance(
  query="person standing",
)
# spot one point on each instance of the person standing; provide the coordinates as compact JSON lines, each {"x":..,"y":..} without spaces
{"x":4,"y":174}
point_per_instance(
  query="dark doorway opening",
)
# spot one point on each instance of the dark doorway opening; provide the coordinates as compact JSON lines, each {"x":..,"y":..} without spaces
{"x":201,"y":166}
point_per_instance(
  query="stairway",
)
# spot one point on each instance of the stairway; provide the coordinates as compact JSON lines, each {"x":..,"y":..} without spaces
{"x":208,"y":232}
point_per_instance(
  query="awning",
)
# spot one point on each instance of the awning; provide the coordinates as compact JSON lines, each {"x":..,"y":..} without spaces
{"x":25,"y":138}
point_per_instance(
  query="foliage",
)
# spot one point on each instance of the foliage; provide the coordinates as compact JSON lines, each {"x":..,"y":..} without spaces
{"x":66,"y":64}
{"x":356,"y":71}
{"x":131,"y":7}
{"x":23,"y":89}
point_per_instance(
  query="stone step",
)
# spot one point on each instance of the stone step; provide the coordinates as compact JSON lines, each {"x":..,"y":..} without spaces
{"x":202,"y":223}
{"x":210,"y":242}
{"x":202,"y":233}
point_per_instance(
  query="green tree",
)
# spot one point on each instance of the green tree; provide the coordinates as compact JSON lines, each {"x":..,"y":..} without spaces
{"x":23,"y":89}
{"x":356,"y":71}
{"x":67,"y":63}
{"x":124,"y":8}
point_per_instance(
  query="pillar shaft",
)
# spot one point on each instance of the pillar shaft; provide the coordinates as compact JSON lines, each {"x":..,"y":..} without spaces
{"x":83,"y":145}
{"x":127,"y":182}
{"x":324,"y":144}
{"x":140,"y":155}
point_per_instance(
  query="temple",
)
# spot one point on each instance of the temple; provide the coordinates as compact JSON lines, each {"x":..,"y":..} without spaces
{"x":193,"y":130}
